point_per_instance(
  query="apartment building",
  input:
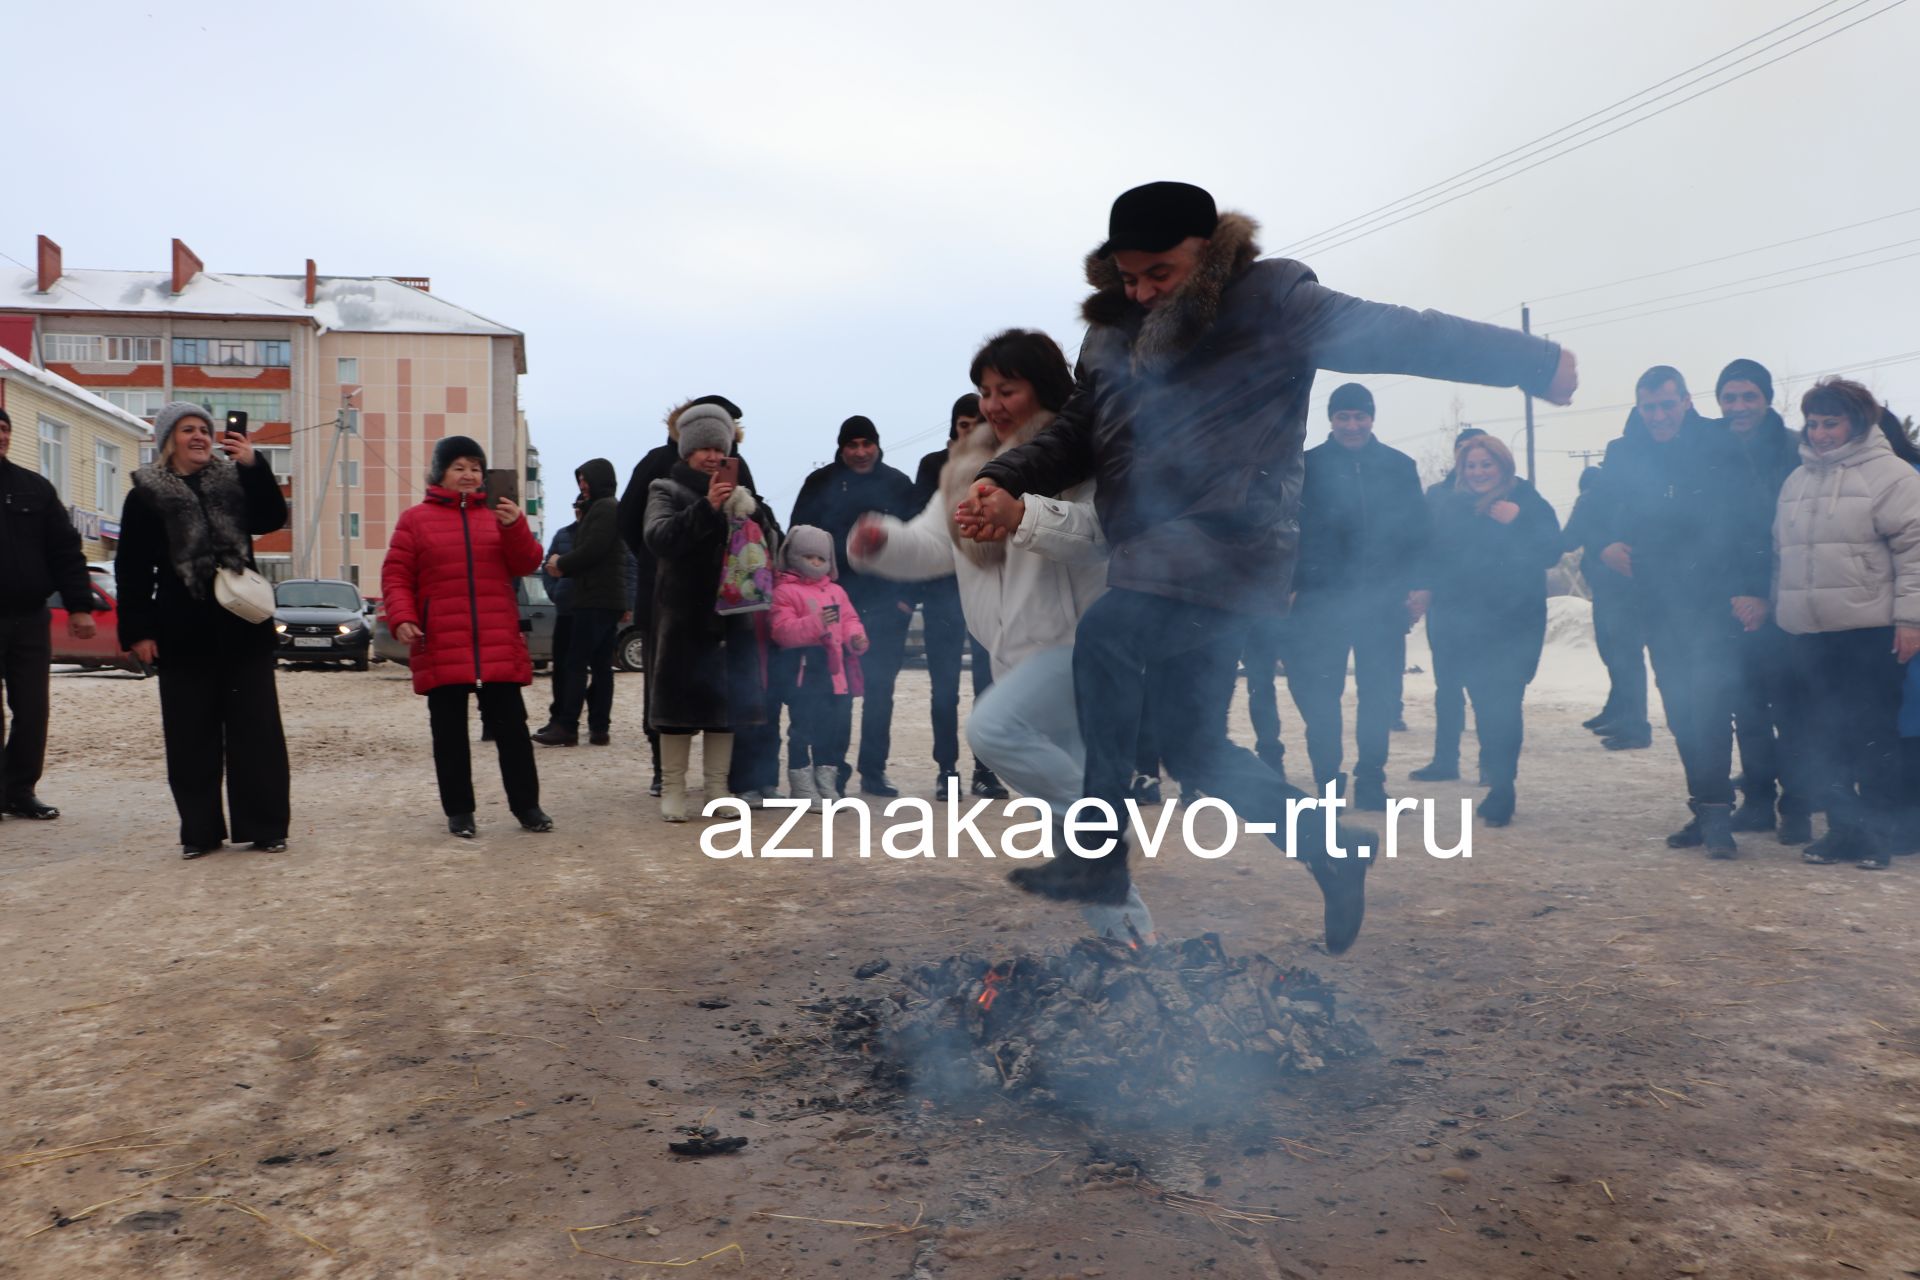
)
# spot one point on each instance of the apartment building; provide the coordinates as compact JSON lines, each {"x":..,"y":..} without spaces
{"x":84,"y":445}
{"x":348,"y":381}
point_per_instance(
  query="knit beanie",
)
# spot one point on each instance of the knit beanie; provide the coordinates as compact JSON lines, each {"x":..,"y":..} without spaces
{"x":967,"y":406}
{"x":1746,"y":371}
{"x":1466,"y":434}
{"x":733,"y":410}
{"x":706,"y":426}
{"x":1350,"y":396}
{"x":858,"y":427}
{"x":808,"y":540}
{"x":169,"y":417}
{"x":450,"y":450}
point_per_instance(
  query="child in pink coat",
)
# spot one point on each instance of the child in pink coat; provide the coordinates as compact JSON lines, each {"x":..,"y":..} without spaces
{"x":818,"y":668}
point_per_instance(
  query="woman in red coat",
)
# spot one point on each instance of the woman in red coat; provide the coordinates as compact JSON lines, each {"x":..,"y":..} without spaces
{"x":448,"y":593}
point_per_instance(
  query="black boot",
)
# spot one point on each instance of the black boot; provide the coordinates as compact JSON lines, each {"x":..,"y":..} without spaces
{"x":1144,"y":790}
{"x":534,"y":819}
{"x":1687,"y":837}
{"x":1068,"y":877}
{"x":1343,"y":887}
{"x":1838,"y":845}
{"x":1370,"y":793}
{"x":1795,"y":828}
{"x":1497,"y":809}
{"x":1438,"y":771}
{"x":1756,"y":811}
{"x":1716,"y":830}
{"x":461,"y":824}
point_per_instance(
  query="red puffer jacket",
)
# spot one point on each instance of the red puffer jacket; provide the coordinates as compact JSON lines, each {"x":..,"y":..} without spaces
{"x":450,"y":571}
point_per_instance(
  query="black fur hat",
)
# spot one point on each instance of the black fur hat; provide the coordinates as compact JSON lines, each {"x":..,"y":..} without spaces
{"x":451,"y":448}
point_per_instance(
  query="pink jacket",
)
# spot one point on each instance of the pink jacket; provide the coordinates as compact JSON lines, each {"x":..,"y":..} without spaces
{"x":797,"y":602}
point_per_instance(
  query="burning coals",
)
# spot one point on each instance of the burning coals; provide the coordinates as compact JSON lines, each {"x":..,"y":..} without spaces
{"x":1110,"y":1027}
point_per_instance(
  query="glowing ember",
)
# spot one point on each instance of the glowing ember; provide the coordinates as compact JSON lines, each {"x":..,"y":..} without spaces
{"x":993,"y":980}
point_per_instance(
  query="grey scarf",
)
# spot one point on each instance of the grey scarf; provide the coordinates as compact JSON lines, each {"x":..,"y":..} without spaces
{"x":205,"y":521}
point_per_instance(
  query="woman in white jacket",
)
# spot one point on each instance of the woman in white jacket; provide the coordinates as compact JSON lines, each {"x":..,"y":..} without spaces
{"x":1022,"y":598}
{"x":1847,"y":590}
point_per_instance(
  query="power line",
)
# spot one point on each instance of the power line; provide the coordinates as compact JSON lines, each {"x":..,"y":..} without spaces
{"x":1492,"y":181}
{"x":1745,"y":293}
{"x":1561,"y":321}
{"x":1393,"y":205}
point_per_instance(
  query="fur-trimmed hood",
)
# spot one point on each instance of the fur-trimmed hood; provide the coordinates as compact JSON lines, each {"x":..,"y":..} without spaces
{"x":673,"y":424}
{"x":965,"y":457}
{"x":1173,"y":328}
{"x":205,"y":519}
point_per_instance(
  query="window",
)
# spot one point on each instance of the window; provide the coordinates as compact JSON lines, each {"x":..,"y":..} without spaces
{"x":347,"y":370}
{"x":106,"y":477}
{"x":141,"y":404}
{"x":73,"y":348}
{"x":280,"y":458}
{"x":350,"y":524}
{"x":260,"y":406}
{"x":264,"y":353}
{"x":133,"y":350}
{"x":53,"y":455}
{"x":350,"y":473}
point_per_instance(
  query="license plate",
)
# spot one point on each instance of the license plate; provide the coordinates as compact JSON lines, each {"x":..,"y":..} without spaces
{"x":312,"y":642}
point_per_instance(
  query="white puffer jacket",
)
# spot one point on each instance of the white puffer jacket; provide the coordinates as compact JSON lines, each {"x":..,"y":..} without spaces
{"x":1846,"y":534}
{"x":1020,"y":597}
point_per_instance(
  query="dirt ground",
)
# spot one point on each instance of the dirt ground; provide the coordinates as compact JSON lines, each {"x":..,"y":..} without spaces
{"x":390,"y":1053}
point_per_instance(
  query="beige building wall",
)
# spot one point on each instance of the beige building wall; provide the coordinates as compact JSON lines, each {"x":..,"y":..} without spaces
{"x":29,"y":403}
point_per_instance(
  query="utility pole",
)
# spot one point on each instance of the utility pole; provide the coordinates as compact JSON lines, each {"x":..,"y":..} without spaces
{"x":1526,"y":326}
{"x":346,"y":502}
{"x":342,"y":427}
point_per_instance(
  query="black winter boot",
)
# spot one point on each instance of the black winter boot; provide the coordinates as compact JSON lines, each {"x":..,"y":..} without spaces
{"x":1795,"y":828}
{"x":1687,"y":837}
{"x":1497,"y":809}
{"x":1369,"y":793}
{"x":1716,"y":830}
{"x":1343,"y":886}
{"x":1068,"y":877}
{"x":1439,"y":771}
{"x":1756,"y":811}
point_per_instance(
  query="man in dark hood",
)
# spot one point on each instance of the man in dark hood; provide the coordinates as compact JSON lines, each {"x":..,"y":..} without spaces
{"x":857,"y":481}
{"x":596,"y":565}
{"x":1190,"y":414}
{"x":658,"y":464}
{"x":1681,"y":519}
{"x":1768,"y":766}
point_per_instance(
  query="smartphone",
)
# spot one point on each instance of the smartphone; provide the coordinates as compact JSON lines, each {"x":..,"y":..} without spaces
{"x":237,"y":421}
{"x":502,"y":482}
{"x":729,"y":472}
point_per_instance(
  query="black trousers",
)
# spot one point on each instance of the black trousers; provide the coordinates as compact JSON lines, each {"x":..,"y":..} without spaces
{"x":1325,"y":628}
{"x":1449,"y":699}
{"x":1261,"y":655}
{"x":1695,"y":663}
{"x":1770,"y":757}
{"x":505,"y":717}
{"x":756,"y":749}
{"x":1498,"y":694}
{"x":220,"y":715}
{"x":879,"y":668}
{"x":26,"y":660}
{"x":819,"y":721}
{"x":1845,"y":707}
{"x":1620,"y":636}
{"x":946,"y":638}
{"x":1179,"y":662}
{"x":556,"y":672}
{"x":589,"y":657}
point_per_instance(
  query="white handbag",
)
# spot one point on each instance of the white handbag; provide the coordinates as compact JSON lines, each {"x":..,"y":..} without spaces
{"x":243,"y":593}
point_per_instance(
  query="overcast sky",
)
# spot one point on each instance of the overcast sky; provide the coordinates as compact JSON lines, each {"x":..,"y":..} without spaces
{"x":821,"y":210}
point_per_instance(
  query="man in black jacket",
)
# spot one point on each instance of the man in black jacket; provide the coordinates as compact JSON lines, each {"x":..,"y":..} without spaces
{"x":1190,"y":414}
{"x":1363,"y":529}
{"x":855,"y":482}
{"x":596,"y":567}
{"x":657,"y":464}
{"x":1682,"y":521}
{"x":1768,"y":767}
{"x":39,"y":555}
{"x":1618,"y":633}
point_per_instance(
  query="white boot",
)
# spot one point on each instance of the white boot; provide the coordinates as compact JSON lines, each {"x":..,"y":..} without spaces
{"x":675,"y":750}
{"x":800,"y":785}
{"x":826,"y":781}
{"x":716,"y":760}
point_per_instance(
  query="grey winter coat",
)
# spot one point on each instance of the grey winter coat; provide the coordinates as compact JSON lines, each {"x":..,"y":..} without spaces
{"x":1847,"y":537}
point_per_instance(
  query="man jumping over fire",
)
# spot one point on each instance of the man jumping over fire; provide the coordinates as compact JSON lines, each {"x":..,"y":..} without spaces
{"x":1189,"y":412}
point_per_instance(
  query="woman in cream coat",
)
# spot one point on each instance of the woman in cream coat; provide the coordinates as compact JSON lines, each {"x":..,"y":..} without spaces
{"x":1847,"y":591}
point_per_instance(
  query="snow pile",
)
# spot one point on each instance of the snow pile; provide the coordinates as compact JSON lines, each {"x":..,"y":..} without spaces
{"x":1570,"y":623}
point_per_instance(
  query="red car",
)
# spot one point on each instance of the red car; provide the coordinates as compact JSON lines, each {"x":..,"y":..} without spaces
{"x":104,"y":649}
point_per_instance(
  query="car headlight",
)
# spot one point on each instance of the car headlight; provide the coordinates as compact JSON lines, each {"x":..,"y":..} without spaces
{"x":280,"y":628}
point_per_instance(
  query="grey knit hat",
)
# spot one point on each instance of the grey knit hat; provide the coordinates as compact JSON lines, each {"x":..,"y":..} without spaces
{"x":808,"y":540}
{"x":705,"y":426}
{"x":169,"y":417}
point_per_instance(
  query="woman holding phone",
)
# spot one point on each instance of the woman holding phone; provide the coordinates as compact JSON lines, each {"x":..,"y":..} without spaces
{"x":192,"y":511}
{"x":448,"y":594}
{"x":709,"y":672}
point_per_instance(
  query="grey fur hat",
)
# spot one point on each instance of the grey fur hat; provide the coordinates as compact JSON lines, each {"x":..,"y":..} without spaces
{"x":169,"y":417}
{"x":706,"y":426}
{"x":808,"y":540}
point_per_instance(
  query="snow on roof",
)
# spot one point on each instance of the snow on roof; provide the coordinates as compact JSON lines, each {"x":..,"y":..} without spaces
{"x":351,"y":304}
{"x":11,"y":363}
